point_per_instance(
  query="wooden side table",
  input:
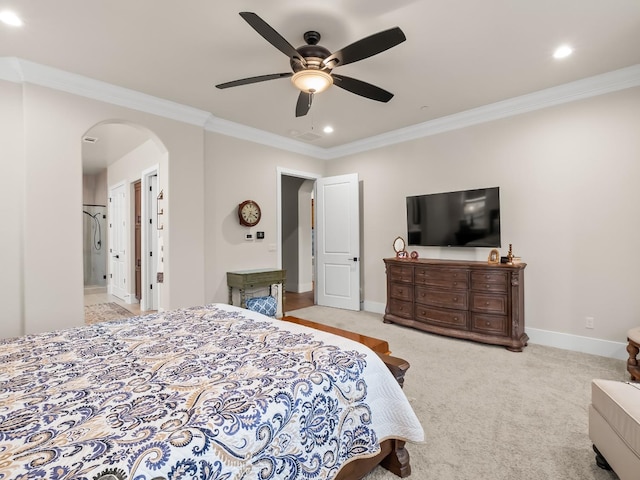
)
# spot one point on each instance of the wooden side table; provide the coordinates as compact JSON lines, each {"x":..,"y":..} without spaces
{"x":244,"y":279}
{"x":633,"y":337}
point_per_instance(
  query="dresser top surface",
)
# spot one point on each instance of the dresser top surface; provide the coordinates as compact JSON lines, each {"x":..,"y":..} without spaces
{"x":453,"y":263}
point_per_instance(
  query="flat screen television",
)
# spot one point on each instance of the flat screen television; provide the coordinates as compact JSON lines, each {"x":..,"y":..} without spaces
{"x":468,"y":218}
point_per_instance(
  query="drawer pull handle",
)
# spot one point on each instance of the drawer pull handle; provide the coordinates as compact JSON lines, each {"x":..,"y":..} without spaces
{"x":487,"y":287}
{"x":455,"y":299}
{"x":455,"y":283}
{"x":488,"y":323}
{"x":486,"y":303}
{"x":399,"y":290}
{"x":455,"y":319}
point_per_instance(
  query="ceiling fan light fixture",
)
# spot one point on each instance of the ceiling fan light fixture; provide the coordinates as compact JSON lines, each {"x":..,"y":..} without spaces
{"x":312,"y":81}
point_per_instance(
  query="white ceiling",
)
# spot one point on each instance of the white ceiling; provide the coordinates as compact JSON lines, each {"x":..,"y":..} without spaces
{"x":459,"y":54}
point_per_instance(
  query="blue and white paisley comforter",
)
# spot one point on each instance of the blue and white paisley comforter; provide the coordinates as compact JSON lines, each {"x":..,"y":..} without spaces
{"x":211,"y":392}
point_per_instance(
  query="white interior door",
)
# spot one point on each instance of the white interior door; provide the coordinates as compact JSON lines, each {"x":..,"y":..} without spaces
{"x":151,"y":247}
{"x":117,"y":250}
{"x":338,"y":242}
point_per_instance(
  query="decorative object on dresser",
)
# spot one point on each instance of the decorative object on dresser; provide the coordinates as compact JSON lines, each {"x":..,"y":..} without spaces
{"x":399,"y":247}
{"x":464,"y":299}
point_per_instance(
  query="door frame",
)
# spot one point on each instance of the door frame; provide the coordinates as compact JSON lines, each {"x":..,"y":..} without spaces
{"x":150,"y":293}
{"x":281,"y":171}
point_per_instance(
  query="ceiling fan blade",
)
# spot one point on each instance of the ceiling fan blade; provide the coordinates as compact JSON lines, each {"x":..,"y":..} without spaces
{"x":259,"y":78}
{"x":271,"y":36}
{"x":365,"y":48}
{"x":361,"y":88}
{"x":304,"y":104}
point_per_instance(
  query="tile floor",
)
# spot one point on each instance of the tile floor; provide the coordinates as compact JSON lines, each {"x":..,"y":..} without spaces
{"x":94,"y":295}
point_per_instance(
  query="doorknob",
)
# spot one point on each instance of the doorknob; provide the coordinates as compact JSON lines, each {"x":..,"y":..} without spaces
{"x":355,"y":259}
{"x":116,"y":256}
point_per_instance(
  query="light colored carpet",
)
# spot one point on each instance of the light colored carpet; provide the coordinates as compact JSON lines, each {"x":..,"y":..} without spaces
{"x":103,"y":312}
{"x":489,"y":413}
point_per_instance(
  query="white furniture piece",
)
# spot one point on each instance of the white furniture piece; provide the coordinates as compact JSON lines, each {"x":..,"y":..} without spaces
{"x":614,"y":426}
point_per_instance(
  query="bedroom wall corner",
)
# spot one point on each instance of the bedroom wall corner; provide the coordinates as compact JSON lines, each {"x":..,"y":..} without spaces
{"x":12,"y":194}
{"x":237,"y":170}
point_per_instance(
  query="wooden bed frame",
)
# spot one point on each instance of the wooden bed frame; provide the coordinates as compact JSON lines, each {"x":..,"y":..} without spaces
{"x":393,"y":456}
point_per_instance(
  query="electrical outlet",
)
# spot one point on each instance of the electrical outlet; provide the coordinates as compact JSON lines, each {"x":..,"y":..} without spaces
{"x":589,"y":322}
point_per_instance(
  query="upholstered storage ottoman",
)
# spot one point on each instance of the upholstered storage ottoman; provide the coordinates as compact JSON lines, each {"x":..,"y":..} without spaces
{"x":614,"y":426}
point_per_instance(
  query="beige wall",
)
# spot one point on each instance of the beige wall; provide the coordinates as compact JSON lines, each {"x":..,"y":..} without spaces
{"x":94,"y":188}
{"x":237,"y":170}
{"x":568,"y":179}
{"x":46,"y":290}
{"x":12,"y":178}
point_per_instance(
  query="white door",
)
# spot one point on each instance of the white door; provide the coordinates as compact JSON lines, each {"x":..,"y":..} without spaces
{"x":338,"y":242}
{"x":152,"y":254}
{"x":117,"y":251}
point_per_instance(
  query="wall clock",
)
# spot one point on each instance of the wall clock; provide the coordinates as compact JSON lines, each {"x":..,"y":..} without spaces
{"x":249,"y":213}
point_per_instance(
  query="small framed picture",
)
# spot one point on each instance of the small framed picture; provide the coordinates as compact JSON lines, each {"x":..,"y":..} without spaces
{"x":402,"y":254}
{"x":414,"y":255}
{"x":494,"y":257}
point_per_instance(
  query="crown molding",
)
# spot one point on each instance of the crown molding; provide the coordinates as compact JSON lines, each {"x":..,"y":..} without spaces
{"x":23,"y":71}
{"x":580,"y":89}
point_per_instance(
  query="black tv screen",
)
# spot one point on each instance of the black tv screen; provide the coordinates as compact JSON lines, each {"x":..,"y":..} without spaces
{"x":468,"y":218}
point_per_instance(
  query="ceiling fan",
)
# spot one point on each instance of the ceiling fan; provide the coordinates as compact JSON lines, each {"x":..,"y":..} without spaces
{"x":312,"y":64}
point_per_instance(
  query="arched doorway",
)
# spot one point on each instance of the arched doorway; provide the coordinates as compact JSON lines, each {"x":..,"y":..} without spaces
{"x":122,"y":166}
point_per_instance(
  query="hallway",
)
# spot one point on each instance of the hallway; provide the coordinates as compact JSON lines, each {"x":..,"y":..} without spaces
{"x":294,"y":301}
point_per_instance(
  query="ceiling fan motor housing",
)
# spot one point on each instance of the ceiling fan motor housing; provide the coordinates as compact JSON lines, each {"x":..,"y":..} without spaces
{"x":313,"y":55}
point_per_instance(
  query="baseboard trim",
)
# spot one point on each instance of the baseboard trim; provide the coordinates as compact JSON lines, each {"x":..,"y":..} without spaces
{"x":565,"y":341}
{"x":578,"y":343}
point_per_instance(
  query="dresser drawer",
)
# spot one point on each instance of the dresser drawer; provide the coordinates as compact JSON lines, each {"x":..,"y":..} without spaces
{"x":442,"y":298}
{"x":490,"y":281}
{"x":402,"y":274}
{"x":446,"y":318}
{"x":457,"y":279}
{"x":401,"y":291}
{"x":493,"y":324}
{"x":486,"y":303}
{"x":400,"y":308}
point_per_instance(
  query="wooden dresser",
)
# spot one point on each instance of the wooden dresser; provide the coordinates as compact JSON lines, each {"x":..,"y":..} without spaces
{"x":470,"y":300}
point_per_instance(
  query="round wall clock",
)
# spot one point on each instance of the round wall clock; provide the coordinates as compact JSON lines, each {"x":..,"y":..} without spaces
{"x":249,"y":213}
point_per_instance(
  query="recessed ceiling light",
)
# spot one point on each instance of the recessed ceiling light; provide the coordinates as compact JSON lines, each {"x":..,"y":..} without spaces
{"x":10,"y":18}
{"x":563,"y":51}
{"x":328,"y":129}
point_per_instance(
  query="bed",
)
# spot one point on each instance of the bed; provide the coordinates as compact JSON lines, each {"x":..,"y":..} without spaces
{"x":213,"y":392}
